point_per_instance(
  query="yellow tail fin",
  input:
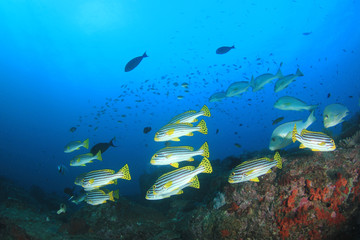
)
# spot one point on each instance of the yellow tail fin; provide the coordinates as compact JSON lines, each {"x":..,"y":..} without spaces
{"x":86,"y":144}
{"x":278,"y":159}
{"x":294,"y":132}
{"x":206,"y":164}
{"x":98,"y":156}
{"x":195,"y":182}
{"x":111,"y":196}
{"x":206,"y":111}
{"x":203,"y":128}
{"x":205,"y":148}
{"x":125,"y":172}
{"x":116,"y":194}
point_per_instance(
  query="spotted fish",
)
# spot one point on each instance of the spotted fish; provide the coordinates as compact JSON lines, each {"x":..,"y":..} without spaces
{"x":190,"y":116}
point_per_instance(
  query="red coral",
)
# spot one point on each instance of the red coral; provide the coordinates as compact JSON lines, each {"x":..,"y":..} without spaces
{"x":291,"y":199}
{"x":233,"y":208}
{"x":224,"y":233}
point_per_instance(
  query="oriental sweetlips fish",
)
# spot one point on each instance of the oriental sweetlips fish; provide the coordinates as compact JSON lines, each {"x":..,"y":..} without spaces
{"x":174,"y":155}
{"x":100,"y":196}
{"x":98,"y":178}
{"x":174,"y":180}
{"x":251,"y":170}
{"x":172,"y":132}
{"x":190,"y":116}
{"x":316,"y":141}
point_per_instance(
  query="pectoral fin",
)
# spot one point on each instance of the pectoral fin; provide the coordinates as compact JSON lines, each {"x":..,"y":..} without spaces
{"x":176,"y":139}
{"x":255,"y":179}
{"x":302,"y":146}
{"x":176,"y":165}
{"x":168,"y":184}
{"x":170,"y":132}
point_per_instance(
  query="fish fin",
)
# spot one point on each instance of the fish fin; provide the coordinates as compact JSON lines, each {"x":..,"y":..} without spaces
{"x":195,"y":182}
{"x":294,"y":132}
{"x":98,"y":156}
{"x":78,"y":160}
{"x":252,"y":82}
{"x":176,"y":165}
{"x":205,"y":148}
{"x":145,"y":55}
{"x":168,"y":184}
{"x":304,"y":131}
{"x":255,"y":179}
{"x":86,"y":144}
{"x":206,"y":111}
{"x":190,"y":148}
{"x":113,"y":182}
{"x":175,"y":139}
{"x":195,"y":120}
{"x":83,"y":165}
{"x":190,"y":134}
{"x":190,"y":160}
{"x":125,"y":171}
{"x":315,"y":150}
{"x":206,"y":164}
{"x":111,"y":196}
{"x":170,"y":132}
{"x":278,"y":160}
{"x":169,"y":156}
{"x":249,"y":172}
{"x":269,"y":171}
{"x":302,"y":146}
{"x":299,"y":73}
{"x":279,"y":74}
{"x":116,"y":194}
{"x":322,"y":143}
{"x":91,"y":181}
{"x":180,"y":192}
{"x":203,"y":128}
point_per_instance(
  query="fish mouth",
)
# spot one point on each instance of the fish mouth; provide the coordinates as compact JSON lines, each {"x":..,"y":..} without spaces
{"x":231,"y":181}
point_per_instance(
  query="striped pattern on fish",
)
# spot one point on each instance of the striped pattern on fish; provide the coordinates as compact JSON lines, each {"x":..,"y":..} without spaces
{"x":174,"y":155}
{"x":100,"y":196}
{"x":316,"y":141}
{"x":190,"y":116}
{"x":179,"y":177}
{"x":172,"y":132}
{"x":98,"y":178}
{"x":251,"y":170}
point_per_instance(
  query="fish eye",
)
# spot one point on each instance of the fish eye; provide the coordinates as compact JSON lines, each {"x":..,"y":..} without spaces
{"x":326,"y":117}
{"x":155,"y":155}
{"x":273,"y":139}
{"x":233,"y":174}
{"x":148,"y":192}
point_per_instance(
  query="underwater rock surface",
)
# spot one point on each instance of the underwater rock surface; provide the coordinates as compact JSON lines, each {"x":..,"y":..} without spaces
{"x":315,"y":196}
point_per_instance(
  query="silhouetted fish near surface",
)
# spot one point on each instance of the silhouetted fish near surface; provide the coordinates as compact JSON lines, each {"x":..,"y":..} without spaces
{"x":307,"y":33}
{"x":102,"y":147}
{"x":147,"y":129}
{"x":134,"y":62}
{"x":223,"y":50}
{"x":277,"y":120}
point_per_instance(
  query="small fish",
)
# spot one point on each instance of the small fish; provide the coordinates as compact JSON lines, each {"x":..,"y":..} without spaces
{"x":217,"y":97}
{"x":223,"y":50}
{"x":75,"y":145}
{"x":172,"y":132}
{"x":334,"y":114}
{"x":217,"y":131}
{"x":102,"y":146}
{"x":276,"y":121}
{"x":260,"y":81}
{"x":73,"y":129}
{"x":151,"y":196}
{"x":62,"y":169}
{"x":328,"y":95}
{"x":237,"y":145}
{"x":180,"y":97}
{"x":190,"y":116}
{"x":237,"y":88}
{"x":100,"y":196}
{"x":173,"y":180}
{"x":251,"y":170}
{"x":283,"y":82}
{"x":174,"y":155}
{"x":307,"y":33}
{"x":62,"y":209}
{"x":98,"y":178}
{"x":316,"y":141}
{"x":83,"y":159}
{"x":77,"y":199}
{"x":290,"y":103}
{"x":134,"y":62}
{"x":185,"y":85}
{"x":147,"y":130}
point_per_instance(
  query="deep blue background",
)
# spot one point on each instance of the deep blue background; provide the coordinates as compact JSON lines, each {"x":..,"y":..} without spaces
{"x":64,"y":60}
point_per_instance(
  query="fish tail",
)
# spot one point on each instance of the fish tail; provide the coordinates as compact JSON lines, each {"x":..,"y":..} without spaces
{"x":252,"y":81}
{"x":203,"y":128}
{"x":278,"y":160}
{"x":86,"y":144}
{"x":205,"y":148}
{"x":311,"y":107}
{"x":294,"y":132}
{"x":299,"y":73}
{"x":116,"y":194}
{"x":206,"y":164}
{"x":112,"y":142}
{"x":145,"y":55}
{"x":111,"y":196}
{"x":233,"y":46}
{"x":125,"y":172}
{"x":310,"y":119}
{"x":279,"y":74}
{"x":195,"y":182}
{"x":206,"y":111}
{"x":98,"y":155}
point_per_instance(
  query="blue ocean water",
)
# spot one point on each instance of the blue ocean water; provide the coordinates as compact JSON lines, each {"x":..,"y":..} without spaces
{"x":62,"y":63}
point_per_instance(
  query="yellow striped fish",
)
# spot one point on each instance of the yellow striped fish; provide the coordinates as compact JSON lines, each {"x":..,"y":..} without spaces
{"x":83,"y":159}
{"x":251,"y":170}
{"x":316,"y":141}
{"x":99,"y":178}
{"x":151,"y":196}
{"x":174,"y":155}
{"x":190,"y":116}
{"x":100,"y":196}
{"x":174,"y":180}
{"x":172,"y":132}
{"x":75,"y":145}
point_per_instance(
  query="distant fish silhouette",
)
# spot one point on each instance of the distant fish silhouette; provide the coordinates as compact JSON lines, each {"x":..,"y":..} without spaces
{"x":307,"y":33}
{"x":134,"y":62}
{"x":147,"y":129}
{"x":102,"y":147}
{"x":223,"y":50}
